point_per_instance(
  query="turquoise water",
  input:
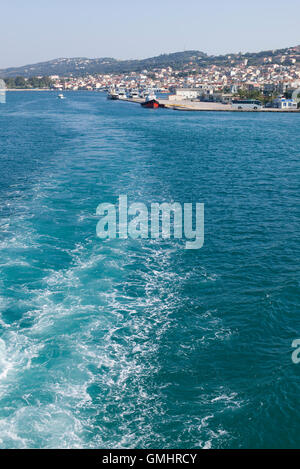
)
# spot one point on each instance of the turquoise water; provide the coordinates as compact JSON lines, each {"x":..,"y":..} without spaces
{"x":141,"y":343}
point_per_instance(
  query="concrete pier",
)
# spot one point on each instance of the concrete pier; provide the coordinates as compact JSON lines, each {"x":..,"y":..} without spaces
{"x":186,"y":105}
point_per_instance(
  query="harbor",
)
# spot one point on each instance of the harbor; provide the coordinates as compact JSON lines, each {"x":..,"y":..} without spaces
{"x":185,"y":105}
{"x":188,"y":105}
{"x":181,"y":102}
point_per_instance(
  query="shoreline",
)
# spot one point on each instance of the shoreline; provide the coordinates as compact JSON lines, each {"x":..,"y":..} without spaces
{"x":28,"y":89}
{"x":201,"y":106}
{"x":186,"y":105}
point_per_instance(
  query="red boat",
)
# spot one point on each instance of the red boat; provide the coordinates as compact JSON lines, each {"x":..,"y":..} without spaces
{"x":152,"y":104}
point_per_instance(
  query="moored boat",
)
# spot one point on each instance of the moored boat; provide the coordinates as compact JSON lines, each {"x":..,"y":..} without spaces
{"x":122,"y":94}
{"x":134,"y":94}
{"x":112,"y":94}
{"x":151,"y":103}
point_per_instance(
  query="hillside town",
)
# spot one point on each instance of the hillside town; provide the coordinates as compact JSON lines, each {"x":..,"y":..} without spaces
{"x":267,"y":76}
{"x":212,"y":83}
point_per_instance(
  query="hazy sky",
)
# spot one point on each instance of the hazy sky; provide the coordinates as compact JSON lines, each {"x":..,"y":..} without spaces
{"x":38,"y":30}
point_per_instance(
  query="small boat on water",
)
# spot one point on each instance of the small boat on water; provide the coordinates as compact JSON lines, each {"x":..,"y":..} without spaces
{"x":61,"y":96}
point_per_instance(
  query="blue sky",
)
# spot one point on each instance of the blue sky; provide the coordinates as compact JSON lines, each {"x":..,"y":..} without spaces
{"x":38,"y":30}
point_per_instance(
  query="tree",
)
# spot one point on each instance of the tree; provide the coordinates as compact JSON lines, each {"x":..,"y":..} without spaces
{"x":10,"y":82}
{"x":20,"y":82}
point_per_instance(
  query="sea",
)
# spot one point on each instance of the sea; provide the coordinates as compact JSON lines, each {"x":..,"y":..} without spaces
{"x":141,"y":343}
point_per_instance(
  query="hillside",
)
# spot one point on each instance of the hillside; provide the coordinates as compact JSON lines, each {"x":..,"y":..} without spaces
{"x":80,"y":66}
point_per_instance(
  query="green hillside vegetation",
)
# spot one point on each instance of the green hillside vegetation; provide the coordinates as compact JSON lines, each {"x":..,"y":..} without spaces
{"x":186,"y":60}
{"x":28,"y":83}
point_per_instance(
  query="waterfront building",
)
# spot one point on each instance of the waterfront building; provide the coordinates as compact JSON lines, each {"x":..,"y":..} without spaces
{"x":187,"y":93}
{"x":283,"y":103}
